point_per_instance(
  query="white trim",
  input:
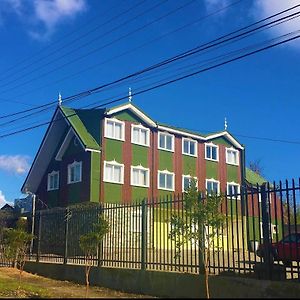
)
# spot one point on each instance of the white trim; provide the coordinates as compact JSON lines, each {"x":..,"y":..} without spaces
{"x":196,"y":146}
{"x":211,"y":145}
{"x":113,"y":163}
{"x":140,"y":168}
{"x":229,"y":137}
{"x":238,"y":197}
{"x":183,"y":133}
{"x":141,"y":127}
{"x":48,"y":181}
{"x":114,"y":120}
{"x":129,"y":106}
{"x":212,"y":180}
{"x":188,"y":176}
{"x":167,"y":134}
{"x":166,"y":172}
{"x":92,"y":150}
{"x":237,"y":156}
{"x":73,"y":165}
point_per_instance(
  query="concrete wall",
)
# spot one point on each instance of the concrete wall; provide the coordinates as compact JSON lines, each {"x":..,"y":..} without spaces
{"x":167,"y":284}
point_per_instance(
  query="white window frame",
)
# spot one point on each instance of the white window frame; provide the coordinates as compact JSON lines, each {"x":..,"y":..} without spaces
{"x":122,"y":123}
{"x":53,"y":173}
{"x":140,"y":168}
{"x":190,"y":141}
{"x":211,"y":145}
{"x":114,"y":163}
{"x":237,"y":156}
{"x":188,"y":176}
{"x":238,"y":197}
{"x":140,"y":127}
{"x":212,"y":180}
{"x":167,"y":134}
{"x":69,"y":171}
{"x":166,"y":172}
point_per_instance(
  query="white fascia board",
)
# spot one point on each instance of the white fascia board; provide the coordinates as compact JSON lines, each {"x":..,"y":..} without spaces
{"x":136,"y":111}
{"x":228,"y":136}
{"x":53,"y":123}
{"x":194,"y":136}
{"x":92,"y":150}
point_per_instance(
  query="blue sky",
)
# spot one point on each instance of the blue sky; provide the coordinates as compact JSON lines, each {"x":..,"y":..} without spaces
{"x":54,"y":46}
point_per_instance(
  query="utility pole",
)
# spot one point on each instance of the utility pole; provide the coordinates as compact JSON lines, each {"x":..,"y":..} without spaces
{"x":33,"y":220}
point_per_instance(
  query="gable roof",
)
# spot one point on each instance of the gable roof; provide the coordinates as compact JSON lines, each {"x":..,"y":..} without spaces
{"x":181,"y":131}
{"x":254,"y":178}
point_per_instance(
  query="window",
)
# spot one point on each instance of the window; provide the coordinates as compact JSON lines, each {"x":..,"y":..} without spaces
{"x":166,"y":180}
{"x":114,"y":129}
{"x":189,"y":147}
{"x":211,"y":152}
{"x":233,"y":190}
{"x":140,"y":135}
{"x":74,"y":172}
{"x":212,"y":186}
{"x":53,"y":181}
{"x":186,"y":182}
{"x":166,"y":141}
{"x":232,"y":156}
{"x":113,"y":172}
{"x":140,"y":176}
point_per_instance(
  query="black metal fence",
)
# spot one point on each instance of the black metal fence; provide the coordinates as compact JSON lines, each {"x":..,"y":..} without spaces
{"x":139,"y":234}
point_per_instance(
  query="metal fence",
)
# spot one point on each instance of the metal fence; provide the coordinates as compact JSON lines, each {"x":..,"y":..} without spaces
{"x":139,"y":234}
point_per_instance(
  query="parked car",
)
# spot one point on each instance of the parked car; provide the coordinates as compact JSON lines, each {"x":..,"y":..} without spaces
{"x":286,"y":250}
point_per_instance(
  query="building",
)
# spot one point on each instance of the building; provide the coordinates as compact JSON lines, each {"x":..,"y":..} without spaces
{"x":121,"y":155}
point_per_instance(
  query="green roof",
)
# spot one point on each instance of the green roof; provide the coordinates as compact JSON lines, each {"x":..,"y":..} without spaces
{"x":83,"y":121}
{"x":254,"y":178}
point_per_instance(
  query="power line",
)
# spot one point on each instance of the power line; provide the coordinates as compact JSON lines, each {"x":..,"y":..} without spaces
{"x":185,"y":54}
{"x":165,"y":83}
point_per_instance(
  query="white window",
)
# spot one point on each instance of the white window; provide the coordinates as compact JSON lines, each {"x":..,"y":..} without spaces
{"x":212,"y":186}
{"x":166,"y":180}
{"x":140,"y":135}
{"x":166,"y":141}
{"x":74,"y":172}
{"x":140,"y":176}
{"x":233,"y":190}
{"x":189,"y":147}
{"x":114,"y":129}
{"x":232,"y":156}
{"x":186,"y":182}
{"x":113,"y":172}
{"x":53,"y":181}
{"x":211,"y":152}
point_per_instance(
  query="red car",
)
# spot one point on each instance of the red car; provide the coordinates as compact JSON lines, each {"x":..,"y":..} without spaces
{"x":287,"y":250}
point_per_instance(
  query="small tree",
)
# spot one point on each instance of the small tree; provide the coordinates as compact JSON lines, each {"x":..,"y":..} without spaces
{"x":16,"y":243}
{"x":200,"y":214}
{"x":90,"y":242}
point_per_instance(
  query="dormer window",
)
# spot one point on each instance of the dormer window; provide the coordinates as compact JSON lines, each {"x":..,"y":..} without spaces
{"x":114,"y":129}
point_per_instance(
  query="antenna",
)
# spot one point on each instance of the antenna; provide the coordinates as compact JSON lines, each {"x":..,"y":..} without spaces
{"x":129,"y":95}
{"x":59,"y":99}
{"x":225,"y":124}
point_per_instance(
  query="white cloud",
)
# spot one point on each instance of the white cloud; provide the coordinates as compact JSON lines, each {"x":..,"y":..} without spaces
{"x":215,"y":4}
{"x":263,"y":8}
{"x":2,"y":199}
{"x":17,"y":164}
{"x":42,"y":17}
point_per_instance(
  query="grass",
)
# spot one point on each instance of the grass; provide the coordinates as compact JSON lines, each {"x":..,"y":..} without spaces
{"x":34,"y":286}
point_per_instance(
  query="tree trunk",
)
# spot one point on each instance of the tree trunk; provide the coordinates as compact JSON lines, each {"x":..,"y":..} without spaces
{"x":206,"y":273}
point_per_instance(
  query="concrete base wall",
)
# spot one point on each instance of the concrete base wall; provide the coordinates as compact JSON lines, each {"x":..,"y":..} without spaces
{"x":167,"y":284}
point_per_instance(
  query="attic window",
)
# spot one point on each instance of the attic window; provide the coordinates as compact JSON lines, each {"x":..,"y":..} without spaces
{"x":114,"y":129}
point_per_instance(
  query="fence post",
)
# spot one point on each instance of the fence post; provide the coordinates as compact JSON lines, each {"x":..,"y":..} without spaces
{"x":39,"y":238}
{"x":67,"y":216}
{"x":266,"y":232}
{"x":144,"y":236}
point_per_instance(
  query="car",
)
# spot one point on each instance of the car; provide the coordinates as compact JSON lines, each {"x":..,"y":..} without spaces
{"x":286,"y":250}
